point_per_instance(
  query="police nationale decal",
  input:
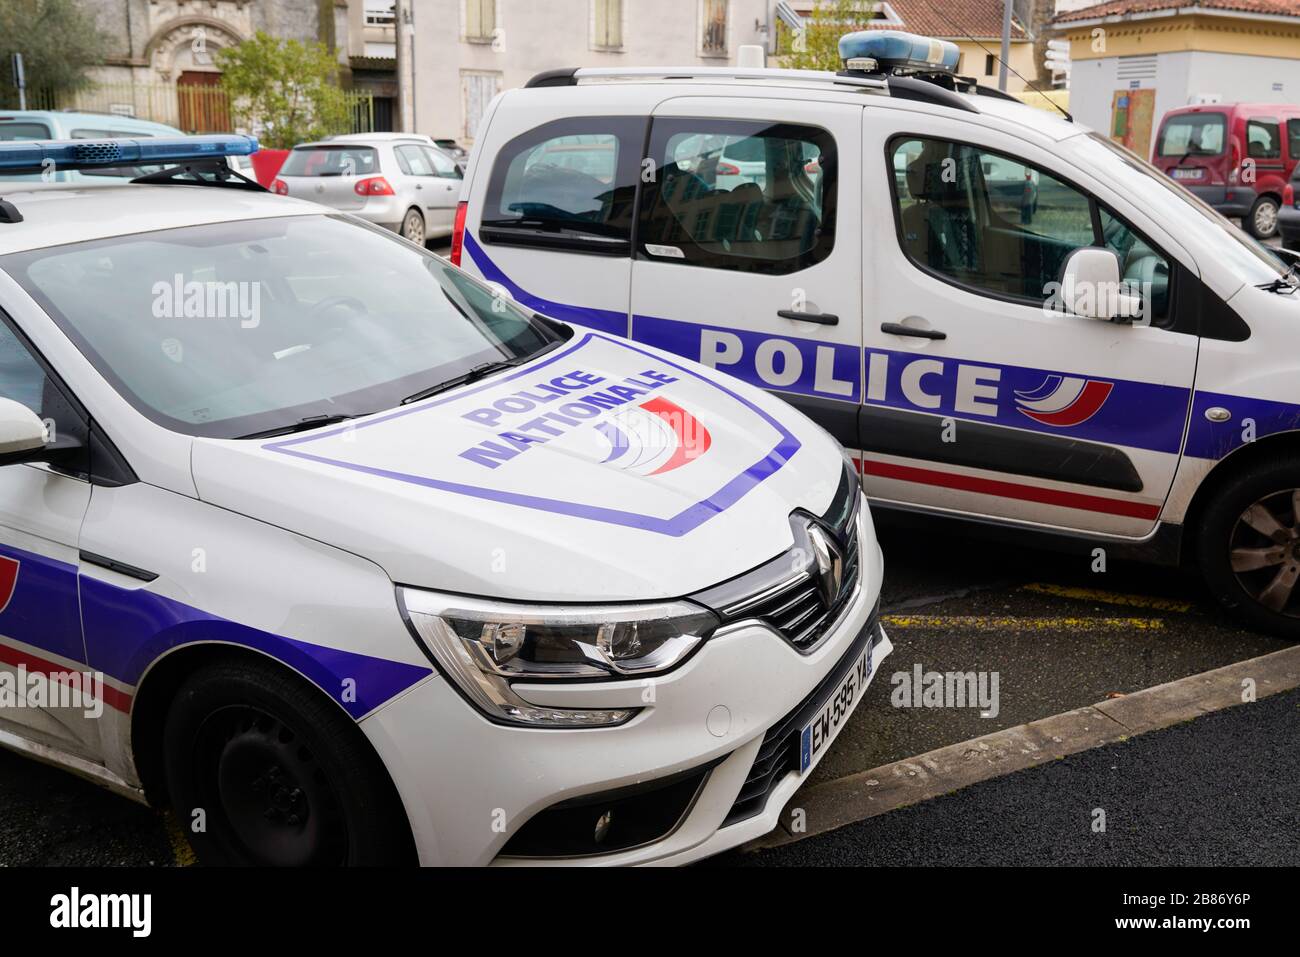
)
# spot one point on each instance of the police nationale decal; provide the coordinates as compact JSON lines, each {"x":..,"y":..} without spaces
{"x":602,"y":429}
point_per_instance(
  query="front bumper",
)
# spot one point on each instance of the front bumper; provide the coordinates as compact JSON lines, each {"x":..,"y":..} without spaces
{"x":469,"y":785}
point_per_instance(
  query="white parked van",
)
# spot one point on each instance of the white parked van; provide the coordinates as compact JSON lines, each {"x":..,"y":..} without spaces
{"x":1008,"y":318}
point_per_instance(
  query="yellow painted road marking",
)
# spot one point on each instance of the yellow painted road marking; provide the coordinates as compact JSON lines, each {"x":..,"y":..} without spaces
{"x":1110,"y":597}
{"x":182,"y":853}
{"x":1013,"y":623}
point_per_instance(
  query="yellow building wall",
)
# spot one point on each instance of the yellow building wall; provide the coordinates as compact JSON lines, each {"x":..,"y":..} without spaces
{"x":1184,"y":33}
{"x":972,"y":62}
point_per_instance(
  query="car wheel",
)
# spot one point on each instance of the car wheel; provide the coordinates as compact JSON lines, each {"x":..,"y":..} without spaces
{"x":262,"y":769}
{"x":1262,"y":220}
{"x":1248,"y":548}
{"x":413,"y":227}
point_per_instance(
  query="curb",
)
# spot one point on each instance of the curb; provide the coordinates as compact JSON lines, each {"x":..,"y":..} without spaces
{"x":856,"y":797}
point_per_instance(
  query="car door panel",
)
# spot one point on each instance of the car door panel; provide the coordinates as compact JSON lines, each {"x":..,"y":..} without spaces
{"x":41,"y":512}
{"x":1017,"y":413}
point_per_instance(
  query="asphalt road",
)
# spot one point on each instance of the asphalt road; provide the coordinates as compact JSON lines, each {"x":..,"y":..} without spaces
{"x":1223,"y":790}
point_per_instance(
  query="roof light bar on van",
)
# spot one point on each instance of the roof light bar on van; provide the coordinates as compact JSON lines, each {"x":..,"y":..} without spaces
{"x":34,"y":156}
{"x":893,"y":51}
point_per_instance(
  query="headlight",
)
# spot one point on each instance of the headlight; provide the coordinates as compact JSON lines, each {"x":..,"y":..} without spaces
{"x":483,"y":645}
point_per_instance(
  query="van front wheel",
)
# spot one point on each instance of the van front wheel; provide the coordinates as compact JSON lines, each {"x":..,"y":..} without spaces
{"x":1262,"y":220}
{"x":1248,"y":548}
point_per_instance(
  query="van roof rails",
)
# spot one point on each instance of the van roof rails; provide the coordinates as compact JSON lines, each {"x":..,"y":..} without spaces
{"x":571,"y":76}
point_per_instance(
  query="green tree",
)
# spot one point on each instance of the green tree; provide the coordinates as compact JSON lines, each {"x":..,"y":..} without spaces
{"x":58,"y":40}
{"x":285,"y":90}
{"x":818,"y":46}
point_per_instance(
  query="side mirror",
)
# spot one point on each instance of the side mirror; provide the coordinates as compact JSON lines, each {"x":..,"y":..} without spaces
{"x":21,"y":432}
{"x":1090,"y":286}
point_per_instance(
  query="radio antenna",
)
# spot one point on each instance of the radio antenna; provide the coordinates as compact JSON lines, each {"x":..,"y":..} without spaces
{"x":998,"y":57}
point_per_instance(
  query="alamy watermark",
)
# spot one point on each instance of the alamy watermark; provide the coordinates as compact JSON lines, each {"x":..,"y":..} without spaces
{"x":80,"y":690}
{"x":919,"y":688}
{"x":179,"y":299}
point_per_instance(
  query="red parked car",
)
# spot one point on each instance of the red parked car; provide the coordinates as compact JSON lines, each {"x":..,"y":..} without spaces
{"x":1237,"y":157}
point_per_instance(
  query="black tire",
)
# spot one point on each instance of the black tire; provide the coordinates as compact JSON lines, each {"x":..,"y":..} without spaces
{"x":283,"y":777}
{"x":1260,"y":222}
{"x":1248,"y":547}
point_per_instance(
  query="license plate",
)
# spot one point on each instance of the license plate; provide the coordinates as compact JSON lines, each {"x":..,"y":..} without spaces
{"x":1187,"y":174}
{"x":835,"y":711}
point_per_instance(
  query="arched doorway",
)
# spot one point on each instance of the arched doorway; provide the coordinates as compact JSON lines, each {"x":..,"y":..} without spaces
{"x":183,"y":52}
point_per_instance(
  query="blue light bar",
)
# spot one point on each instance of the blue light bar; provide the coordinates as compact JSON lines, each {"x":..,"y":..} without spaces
{"x":887,"y":51}
{"x":34,"y":156}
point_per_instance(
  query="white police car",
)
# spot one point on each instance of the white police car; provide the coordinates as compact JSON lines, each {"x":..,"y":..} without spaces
{"x":1014,"y":320}
{"x":308,"y":533}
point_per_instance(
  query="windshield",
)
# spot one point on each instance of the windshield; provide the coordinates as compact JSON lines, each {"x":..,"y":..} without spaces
{"x":331,"y":161}
{"x":230,"y":329}
{"x":1192,"y":134}
{"x":1178,"y":209}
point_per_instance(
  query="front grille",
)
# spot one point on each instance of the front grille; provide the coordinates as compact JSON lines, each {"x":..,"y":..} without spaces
{"x":795,"y":593}
{"x":779,"y":753}
{"x":797,"y":607}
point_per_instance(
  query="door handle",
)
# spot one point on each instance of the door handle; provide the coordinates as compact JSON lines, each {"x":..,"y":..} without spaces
{"x":821,"y":318}
{"x":419,"y":186}
{"x":898,"y":329}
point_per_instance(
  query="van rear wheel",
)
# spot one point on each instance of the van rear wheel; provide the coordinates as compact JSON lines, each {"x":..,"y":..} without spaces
{"x":262,"y":769}
{"x":1248,"y":548}
{"x":1262,"y":219}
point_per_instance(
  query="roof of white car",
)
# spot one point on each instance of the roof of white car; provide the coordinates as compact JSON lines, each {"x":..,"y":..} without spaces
{"x":55,"y":214}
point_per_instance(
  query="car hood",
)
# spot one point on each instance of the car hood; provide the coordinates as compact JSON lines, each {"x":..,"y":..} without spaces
{"x":603,"y":470}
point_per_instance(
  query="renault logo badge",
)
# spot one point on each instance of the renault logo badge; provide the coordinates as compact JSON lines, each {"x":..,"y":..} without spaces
{"x":828,"y":564}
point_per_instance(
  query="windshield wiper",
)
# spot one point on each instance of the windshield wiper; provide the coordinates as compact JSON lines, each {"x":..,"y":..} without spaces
{"x":302,"y":425}
{"x":1288,"y":283}
{"x":473,"y":375}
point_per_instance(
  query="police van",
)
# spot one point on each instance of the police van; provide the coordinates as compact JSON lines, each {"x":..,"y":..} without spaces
{"x":313,"y":538}
{"x":1008,"y":319}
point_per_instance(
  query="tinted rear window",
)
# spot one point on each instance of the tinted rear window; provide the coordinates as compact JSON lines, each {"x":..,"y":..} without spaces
{"x":331,"y":161}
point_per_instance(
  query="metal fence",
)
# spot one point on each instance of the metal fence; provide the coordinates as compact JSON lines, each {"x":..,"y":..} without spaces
{"x":192,"y":108}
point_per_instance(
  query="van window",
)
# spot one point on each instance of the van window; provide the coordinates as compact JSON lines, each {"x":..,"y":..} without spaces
{"x":1263,"y":139}
{"x":23,"y":131}
{"x":990,"y":222}
{"x":1192,"y":134}
{"x":569,"y":184}
{"x":1293,"y":137}
{"x":741,"y":195}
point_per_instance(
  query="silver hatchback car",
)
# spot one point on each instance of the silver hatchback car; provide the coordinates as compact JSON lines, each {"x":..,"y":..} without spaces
{"x":402,"y":183}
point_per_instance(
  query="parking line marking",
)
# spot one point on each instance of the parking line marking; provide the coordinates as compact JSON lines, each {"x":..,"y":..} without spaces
{"x":1012,"y":623}
{"x":1111,"y":597}
{"x":182,"y":853}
